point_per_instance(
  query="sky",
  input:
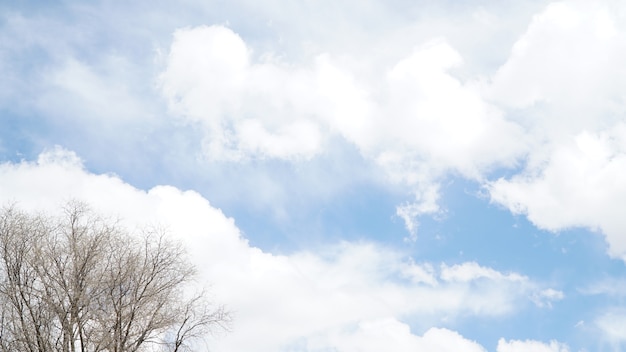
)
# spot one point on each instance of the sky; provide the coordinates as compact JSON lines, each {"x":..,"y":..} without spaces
{"x":349,"y":176}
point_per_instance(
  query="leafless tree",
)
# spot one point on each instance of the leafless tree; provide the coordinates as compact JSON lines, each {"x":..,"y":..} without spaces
{"x":80,"y":283}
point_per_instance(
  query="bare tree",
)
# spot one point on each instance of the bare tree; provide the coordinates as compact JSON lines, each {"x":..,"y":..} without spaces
{"x":80,"y":283}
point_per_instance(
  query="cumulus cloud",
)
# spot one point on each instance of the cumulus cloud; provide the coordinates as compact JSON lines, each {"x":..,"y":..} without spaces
{"x":411,"y":111}
{"x":564,"y":83}
{"x":566,"y":62}
{"x":579,"y":184}
{"x":249,"y":109}
{"x":552,"y":112}
{"x":392,"y":335}
{"x":431,"y":115}
{"x":281,"y":299}
{"x":414,"y":120}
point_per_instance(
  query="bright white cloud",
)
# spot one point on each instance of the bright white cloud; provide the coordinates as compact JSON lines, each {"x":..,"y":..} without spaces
{"x":413,"y":120}
{"x":249,"y":109}
{"x":281,"y":299}
{"x":392,"y":335}
{"x":568,"y":61}
{"x":431,"y":115}
{"x":530,"y":345}
{"x":564,"y":82}
{"x":580,"y":184}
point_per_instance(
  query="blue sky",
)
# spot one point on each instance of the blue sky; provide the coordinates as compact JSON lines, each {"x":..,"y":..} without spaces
{"x":347,"y":175}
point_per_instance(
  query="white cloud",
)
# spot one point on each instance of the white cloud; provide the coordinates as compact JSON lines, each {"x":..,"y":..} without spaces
{"x":545,"y":297}
{"x":411,"y":110}
{"x":431,"y":116}
{"x":414,"y":120}
{"x":248,"y":109}
{"x":392,"y":335}
{"x":579,"y":184}
{"x":471,"y":271}
{"x":530,"y":345}
{"x":568,"y":62}
{"x":310,"y":295}
{"x":279,"y":299}
{"x":426,"y":202}
{"x":564,"y":82}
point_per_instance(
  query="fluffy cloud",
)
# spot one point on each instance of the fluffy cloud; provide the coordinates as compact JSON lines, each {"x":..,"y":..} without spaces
{"x":580,"y":184}
{"x":248,"y":109}
{"x":411,"y":110}
{"x":282,"y":299}
{"x":568,"y":63}
{"x":414,"y":120}
{"x":392,"y":335}
{"x":564,"y":82}
{"x":431,"y":116}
